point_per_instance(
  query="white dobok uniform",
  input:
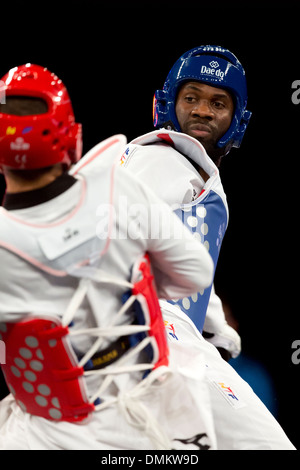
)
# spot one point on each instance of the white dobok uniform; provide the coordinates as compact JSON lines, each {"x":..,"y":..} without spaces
{"x":161,"y":160}
{"x":43,"y":249}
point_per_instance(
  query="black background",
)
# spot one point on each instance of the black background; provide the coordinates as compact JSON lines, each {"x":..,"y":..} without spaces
{"x":113,"y":56}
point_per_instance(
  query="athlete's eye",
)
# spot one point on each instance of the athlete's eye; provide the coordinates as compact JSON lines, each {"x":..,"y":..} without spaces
{"x":189,"y":99}
{"x":218,"y":104}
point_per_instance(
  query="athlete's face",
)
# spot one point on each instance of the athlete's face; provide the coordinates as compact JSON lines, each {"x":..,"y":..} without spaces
{"x":204,"y":112}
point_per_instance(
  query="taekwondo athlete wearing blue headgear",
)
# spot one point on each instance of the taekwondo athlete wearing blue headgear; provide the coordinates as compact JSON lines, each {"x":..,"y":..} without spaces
{"x":199,"y":115}
{"x":202,"y":109}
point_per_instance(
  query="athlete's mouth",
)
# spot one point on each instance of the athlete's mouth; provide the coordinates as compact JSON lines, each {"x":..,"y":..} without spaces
{"x":200,"y":130}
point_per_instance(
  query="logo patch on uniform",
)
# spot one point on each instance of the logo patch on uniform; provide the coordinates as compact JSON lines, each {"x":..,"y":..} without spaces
{"x":230,"y":396}
{"x":55,"y":243}
{"x":69,"y":233}
{"x":171,"y":329}
{"x":124,"y":156}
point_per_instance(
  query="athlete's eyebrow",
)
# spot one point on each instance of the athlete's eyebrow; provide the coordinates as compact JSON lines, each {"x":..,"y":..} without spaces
{"x":217,"y":94}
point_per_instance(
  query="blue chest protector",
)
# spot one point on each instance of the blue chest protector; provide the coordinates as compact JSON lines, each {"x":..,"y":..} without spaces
{"x":207,"y":219}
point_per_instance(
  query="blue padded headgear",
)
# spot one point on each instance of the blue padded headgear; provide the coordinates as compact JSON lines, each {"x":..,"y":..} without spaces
{"x":212,"y":65}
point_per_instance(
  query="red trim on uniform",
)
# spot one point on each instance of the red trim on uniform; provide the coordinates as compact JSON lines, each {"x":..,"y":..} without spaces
{"x":166,"y":138}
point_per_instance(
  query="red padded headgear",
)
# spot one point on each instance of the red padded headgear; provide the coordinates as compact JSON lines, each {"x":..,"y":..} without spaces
{"x":39,"y":140}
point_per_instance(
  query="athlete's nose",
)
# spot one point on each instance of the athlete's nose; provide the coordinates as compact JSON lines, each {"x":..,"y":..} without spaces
{"x":203,"y":109}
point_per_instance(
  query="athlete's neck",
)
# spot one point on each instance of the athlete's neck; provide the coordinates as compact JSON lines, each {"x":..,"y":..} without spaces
{"x":28,"y":180}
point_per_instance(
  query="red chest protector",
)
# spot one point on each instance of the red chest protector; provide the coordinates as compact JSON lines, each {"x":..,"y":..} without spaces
{"x":43,"y":372}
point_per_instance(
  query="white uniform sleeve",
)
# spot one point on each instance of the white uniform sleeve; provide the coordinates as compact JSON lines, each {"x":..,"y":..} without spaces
{"x":221,"y":335}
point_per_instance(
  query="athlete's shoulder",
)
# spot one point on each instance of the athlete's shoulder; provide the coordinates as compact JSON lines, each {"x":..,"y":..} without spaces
{"x":154,"y":159}
{"x":136,"y":154}
{"x":102,"y":155}
{"x":173,"y":145}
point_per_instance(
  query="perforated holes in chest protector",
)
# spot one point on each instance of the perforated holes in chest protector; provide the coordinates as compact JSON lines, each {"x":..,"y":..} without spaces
{"x":42,"y":371}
